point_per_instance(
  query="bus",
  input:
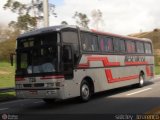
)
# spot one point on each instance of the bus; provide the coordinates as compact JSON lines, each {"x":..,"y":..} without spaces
{"x":65,"y":61}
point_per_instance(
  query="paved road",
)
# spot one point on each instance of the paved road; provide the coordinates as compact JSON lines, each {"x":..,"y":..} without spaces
{"x":128,"y":100}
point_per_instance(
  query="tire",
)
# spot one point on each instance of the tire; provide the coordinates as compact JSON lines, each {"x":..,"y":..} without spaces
{"x":141,"y":80}
{"x":85,"y":91}
{"x":49,"y":101}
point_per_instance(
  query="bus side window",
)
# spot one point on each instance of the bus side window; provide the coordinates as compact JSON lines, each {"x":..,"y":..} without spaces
{"x":130,"y":46}
{"x":116,"y":44}
{"x":89,"y":42}
{"x":105,"y":44}
{"x":84,"y":46}
{"x":148,"y":49}
{"x":122,"y":45}
{"x":71,"y":37}
{"x":140,"y":47}
{"x":101,"y":44}
{"x":94,"y":43}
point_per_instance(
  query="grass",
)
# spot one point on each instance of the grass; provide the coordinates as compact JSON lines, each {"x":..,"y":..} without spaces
{"x":157,"y":70}
{"x":7,"y":96}
{"x":7,"y":73}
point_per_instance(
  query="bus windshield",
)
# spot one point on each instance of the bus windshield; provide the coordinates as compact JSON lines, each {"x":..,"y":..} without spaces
{"x":37,"y":54}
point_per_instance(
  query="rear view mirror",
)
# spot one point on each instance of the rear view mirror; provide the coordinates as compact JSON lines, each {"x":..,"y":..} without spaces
{"x":12,"y":58}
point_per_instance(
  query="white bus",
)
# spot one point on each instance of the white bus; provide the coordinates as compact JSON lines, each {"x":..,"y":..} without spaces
{"x":62,"y":62}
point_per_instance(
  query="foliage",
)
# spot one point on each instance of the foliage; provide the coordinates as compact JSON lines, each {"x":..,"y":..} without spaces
{"x":7,"y":43}
{"x":24,"y":22}
{"x":64,"y":23}
{"x":28,"y":14}
{"x":157,"y":70}
{"x":96,"y":18}
{"x":81,"y":19}
{"x":7,"y":47}
{"x":157,"y":60}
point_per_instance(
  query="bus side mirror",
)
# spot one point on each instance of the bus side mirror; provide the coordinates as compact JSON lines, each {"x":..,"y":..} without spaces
{"x":12,"y":58}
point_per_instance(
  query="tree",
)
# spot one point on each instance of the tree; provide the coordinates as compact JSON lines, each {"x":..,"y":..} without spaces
{"x":28,"y":14}
{"x":7,"y":42}
{"x":81,"y":19}
{"x":97,"y":18}
{"x":64,"y":23}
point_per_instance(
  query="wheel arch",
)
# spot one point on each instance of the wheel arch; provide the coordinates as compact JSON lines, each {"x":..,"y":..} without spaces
{"x":90,"y":82}
{"x":142,"y":73}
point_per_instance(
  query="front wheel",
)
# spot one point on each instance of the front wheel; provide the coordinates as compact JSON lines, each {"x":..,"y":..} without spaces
{"x":85,"y":91}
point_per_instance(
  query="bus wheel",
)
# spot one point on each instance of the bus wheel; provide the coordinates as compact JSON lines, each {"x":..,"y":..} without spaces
{"x":49,"y":101}
{"x":85,"y":91}
{"x":141,"y":80}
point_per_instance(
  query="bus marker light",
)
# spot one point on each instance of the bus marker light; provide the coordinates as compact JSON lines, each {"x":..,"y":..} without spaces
{"x":19,"y":79}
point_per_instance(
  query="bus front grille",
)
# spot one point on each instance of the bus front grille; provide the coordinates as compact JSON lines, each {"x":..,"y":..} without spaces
{"x":33,"y":85}
{"x":27,"y":85}
{"x":39,"y":85}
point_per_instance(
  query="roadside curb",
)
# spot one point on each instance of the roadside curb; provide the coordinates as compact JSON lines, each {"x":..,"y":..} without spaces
{"x":7,"y":99}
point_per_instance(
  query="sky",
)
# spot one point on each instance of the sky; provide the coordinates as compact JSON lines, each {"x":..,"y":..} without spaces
{"x":119,"y":16}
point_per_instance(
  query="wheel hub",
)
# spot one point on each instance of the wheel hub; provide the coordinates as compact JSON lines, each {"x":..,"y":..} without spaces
{"x":85,"y":91}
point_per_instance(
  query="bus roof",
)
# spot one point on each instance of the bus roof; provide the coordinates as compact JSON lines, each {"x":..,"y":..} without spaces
{"x":46,"y":30}
{"x":120,"y":36}
{"x":60,"y":27}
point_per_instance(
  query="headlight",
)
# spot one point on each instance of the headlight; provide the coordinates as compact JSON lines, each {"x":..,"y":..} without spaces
{"x":59,"y":84}
{"x":49,"y":85}
{"x":18,"y":86}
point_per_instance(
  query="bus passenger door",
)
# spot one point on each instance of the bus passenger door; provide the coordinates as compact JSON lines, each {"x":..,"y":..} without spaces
{"x":67,"y":59}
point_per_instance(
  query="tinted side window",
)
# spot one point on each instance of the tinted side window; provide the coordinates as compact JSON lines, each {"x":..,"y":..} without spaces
{"x":148,"y":48}
{"x":94,"y":43}
{"x":70,"y":37}
{"x":130,"y":45}
{"x":116,"y":44}
{"x":105,"y":44}
{"x":89,"y":42}
{"x":122,"y":46}
{"x":140,"y":47}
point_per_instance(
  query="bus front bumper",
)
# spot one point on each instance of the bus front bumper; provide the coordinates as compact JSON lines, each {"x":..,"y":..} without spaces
{"x":39,"y":93}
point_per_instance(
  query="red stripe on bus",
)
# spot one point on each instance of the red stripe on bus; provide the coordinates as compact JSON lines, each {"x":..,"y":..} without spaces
{"x":19,"y":79}
{"x":112,"y":80}
{"x":103,"y":59}
{"x":52,"y":77}
{"x":136,"y":63}
{"x":85,"y":65}
{"x":148,"y":71}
